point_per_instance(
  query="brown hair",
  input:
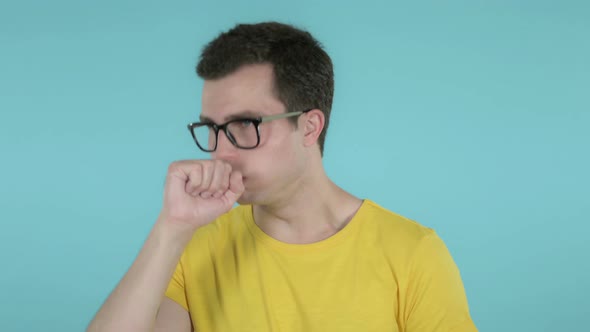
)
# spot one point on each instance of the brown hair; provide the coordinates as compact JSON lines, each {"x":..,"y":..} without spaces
{"x":304,"y":76}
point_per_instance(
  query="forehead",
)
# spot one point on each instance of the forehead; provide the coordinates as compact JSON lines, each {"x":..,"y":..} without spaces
{"x":250,"y":89}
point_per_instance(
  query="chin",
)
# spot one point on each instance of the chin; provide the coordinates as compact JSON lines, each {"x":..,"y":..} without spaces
{"x":246,"y":199}
{"x":243,"y":201}
{"x":251,"y":198}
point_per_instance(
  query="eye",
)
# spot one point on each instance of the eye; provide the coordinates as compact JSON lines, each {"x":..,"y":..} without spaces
{"x":245,"y":123}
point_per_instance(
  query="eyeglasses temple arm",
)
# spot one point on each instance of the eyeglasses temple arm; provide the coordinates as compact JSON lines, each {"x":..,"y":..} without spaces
{"x":279,"y":116}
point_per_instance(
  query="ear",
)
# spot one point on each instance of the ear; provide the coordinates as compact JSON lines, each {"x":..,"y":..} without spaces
{"x":313,"y":124}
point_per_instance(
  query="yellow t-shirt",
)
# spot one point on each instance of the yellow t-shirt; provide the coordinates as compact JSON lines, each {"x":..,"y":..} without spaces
{"x":382,"y":272}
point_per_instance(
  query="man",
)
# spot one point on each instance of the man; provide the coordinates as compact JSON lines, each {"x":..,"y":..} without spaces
{"x":298,"y":253}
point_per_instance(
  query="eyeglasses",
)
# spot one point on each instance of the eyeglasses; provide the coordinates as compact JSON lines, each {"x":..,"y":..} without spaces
{"x":243,"y":133}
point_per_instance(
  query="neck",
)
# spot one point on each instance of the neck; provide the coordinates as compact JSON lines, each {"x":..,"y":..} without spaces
{"x":312,"y":209}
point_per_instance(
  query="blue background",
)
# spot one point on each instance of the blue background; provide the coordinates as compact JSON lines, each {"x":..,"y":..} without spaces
{"x":471,"y":117}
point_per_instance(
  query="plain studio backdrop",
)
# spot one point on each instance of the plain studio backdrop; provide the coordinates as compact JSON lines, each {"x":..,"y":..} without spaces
{"x":471,"y":117}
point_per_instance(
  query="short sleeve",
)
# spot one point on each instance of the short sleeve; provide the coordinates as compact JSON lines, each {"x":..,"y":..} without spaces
{"x":176,"y":288}
{"x":436,"y":296}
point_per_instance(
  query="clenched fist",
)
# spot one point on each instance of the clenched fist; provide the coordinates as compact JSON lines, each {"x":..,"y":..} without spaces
{"x":199,"y":191}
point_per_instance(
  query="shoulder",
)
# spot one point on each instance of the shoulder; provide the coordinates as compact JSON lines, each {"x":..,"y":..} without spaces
{"x":400,"y":237}
{"x":393,"y":224}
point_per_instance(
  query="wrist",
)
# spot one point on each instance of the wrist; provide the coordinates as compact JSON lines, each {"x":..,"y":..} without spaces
{"x":173,"y":234}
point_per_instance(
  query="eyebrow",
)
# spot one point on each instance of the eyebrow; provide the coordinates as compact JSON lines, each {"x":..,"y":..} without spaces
{"x":241,"y":115}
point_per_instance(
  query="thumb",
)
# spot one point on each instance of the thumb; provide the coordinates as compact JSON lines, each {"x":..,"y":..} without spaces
{"x":236,"y":186}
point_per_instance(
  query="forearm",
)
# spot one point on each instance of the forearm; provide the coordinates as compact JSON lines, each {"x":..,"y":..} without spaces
{"x":134,"y":303}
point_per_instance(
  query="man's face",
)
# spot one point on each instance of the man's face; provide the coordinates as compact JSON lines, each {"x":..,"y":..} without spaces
{"x":279,"y":159}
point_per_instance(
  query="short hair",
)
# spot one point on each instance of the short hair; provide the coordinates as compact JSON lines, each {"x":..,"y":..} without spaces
{"x":303,"y":71}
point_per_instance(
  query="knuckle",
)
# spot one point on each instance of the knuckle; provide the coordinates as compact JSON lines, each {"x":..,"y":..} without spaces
{"x":172,"y":167}
{"x":198,"y":168}
{"x":195,"y":177}
{"x":219,"y":165}
{"x":212,"y":165}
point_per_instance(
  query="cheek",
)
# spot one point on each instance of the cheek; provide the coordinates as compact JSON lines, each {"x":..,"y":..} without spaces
{"x":281,"y":149}
{"x":278,"y":138}
{"x":277,"y":152}
{"x":273,"y":163}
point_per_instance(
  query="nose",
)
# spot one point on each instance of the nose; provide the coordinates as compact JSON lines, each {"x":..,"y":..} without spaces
{"x":225,"y":149}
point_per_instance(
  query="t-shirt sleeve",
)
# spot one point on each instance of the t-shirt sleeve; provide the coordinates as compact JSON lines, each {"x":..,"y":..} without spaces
{"x":176,"y":287}
{"x":436,"y":296}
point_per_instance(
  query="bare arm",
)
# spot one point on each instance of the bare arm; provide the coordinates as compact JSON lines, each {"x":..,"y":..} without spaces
{"x":195,"y":194}
{"x":134,"y":303}
{"x":172,"y":318}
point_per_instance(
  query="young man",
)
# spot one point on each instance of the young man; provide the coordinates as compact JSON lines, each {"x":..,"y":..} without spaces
{"x":298,"y":253}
